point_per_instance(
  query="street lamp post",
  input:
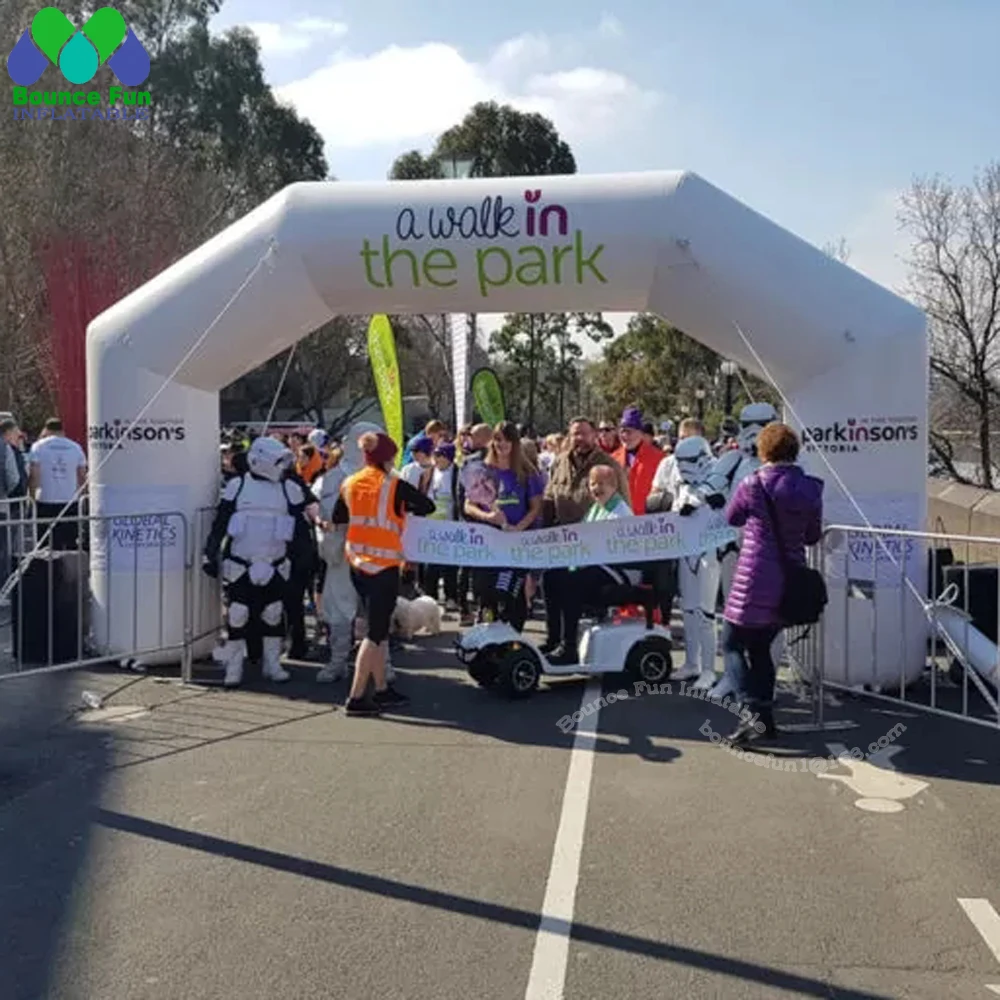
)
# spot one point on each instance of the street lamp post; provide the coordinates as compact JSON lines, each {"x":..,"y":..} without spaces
{"x":699,"y":395}
{"x":457,"y":167}
{"x":729,"y":369}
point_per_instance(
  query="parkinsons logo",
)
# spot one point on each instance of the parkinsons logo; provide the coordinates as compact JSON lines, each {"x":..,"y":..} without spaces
{"x":106,"y":436}
{"x":862,"y":434}
{"x":509,"y":247}
{"x":104,"y":38}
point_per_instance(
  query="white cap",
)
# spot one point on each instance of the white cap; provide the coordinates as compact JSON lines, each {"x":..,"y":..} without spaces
{"x":317,"y":437}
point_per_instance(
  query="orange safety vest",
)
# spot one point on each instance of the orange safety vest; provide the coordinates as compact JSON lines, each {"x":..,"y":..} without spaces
{"x":375,"y":531}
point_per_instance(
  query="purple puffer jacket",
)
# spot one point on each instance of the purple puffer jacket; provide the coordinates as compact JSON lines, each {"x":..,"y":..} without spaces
{"x":758,"y":583}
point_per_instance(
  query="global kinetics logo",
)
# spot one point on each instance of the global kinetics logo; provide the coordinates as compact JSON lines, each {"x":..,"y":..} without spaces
{"x":53,"y":38}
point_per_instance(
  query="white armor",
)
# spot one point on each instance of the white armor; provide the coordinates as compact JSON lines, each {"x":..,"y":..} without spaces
{"x":259,"y":530}
{"x":699,"y":575}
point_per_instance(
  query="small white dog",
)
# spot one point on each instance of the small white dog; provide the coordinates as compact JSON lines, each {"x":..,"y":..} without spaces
{"x":420,"y":615}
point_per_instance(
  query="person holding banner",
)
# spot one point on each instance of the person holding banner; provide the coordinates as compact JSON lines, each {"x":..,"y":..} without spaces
{"x":574,"y":588}
{"x":374,"y":504}
{"x":516,"y":506}
{"x":444,"y":492}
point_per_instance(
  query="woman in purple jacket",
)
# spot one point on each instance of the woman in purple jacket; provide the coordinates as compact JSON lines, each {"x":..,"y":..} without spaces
{"x":752,"y":619}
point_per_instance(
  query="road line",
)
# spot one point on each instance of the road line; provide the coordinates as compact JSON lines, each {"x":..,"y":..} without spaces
{"x":985,"y":919}
{"x":548,"y":965}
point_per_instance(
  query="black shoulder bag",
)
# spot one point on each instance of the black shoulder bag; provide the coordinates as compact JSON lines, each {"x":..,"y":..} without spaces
{"x":804,"y":596}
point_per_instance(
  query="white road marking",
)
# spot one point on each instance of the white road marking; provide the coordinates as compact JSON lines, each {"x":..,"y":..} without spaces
{"x":548,"y":966}
{"x":879,"y":786}
{"x":985,"y":919}
{"x":993,"y":989}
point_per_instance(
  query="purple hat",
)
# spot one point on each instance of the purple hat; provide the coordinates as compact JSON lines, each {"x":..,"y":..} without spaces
{"x":632,"y":418}
{"x":446,"y":450}
{"x":423,"y":444}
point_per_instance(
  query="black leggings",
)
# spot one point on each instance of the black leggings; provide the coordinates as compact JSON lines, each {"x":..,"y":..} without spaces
{"x":379,"y":592}
{"x":434,"y":575}
{"x":501,"y":591}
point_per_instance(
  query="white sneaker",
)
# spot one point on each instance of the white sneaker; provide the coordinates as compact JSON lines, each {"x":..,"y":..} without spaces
{"x":706,"y":679}
{"x":271,"y":668}
{"x":231,"y":654}
{"x":686,"y":672}
{"x":234,"y":673}
{"x":332,"y":672}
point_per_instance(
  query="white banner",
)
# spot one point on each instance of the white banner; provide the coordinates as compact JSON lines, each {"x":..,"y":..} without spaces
{"x":626,"y":540}
{"x":459,"y":365}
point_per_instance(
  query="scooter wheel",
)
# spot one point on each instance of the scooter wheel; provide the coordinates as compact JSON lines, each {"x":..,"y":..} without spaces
{"x":518,"y":673}
{"x":482,"y":669}
{"x":649,"y":660}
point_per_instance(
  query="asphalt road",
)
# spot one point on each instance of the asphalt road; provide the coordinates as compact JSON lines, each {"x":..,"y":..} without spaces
{"x":259,"y":844}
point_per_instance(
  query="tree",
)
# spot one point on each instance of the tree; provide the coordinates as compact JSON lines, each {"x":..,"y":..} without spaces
{"x":505,"y":142}
{"x":955,"y":278}
{"x":538,"y":358}
{"x":659,"y":368}
{"x":218,"y":143}
{"x":212,"y":102}
{"x":414,"y":166}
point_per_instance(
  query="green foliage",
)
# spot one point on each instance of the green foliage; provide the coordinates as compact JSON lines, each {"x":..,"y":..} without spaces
{"x":212,"y":101}
{"x":659,"y":368}
{"x":414,"y":166}
{"x":538,"y":358}
{"x":501,"y":142}
{"x":505,"y":142}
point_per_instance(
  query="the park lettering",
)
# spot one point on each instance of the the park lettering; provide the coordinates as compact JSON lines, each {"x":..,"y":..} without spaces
{"x":511,"y":254}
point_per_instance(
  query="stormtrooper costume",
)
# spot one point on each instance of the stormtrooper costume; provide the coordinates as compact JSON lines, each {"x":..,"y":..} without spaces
{"x":731,"y":468}
{"x":699,"y":575}
{"x":340,"y":598}
{"x":252,"y":533}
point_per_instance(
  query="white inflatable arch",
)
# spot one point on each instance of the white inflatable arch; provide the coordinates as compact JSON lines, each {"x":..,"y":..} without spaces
{"x":850,"y":356}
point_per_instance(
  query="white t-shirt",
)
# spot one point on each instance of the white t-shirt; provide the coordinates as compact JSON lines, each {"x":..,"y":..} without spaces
{"x":411,"y":473}
{"x":57,"y":459}
{"x":442,"y":494}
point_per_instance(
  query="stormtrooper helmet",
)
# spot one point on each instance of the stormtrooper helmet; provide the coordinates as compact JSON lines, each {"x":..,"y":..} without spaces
{"x":269,"y":459}
{"x":353,"y":459}
{"x":694,"y":460}
{"x":753,"y":419}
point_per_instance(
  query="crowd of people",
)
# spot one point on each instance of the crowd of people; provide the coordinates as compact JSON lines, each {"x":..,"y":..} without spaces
{"x":335,"y":511}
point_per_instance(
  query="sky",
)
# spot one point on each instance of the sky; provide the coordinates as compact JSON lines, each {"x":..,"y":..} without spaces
{"x":816,"y":113}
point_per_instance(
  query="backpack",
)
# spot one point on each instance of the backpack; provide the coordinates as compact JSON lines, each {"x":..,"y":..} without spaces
{"x":804,"y":595}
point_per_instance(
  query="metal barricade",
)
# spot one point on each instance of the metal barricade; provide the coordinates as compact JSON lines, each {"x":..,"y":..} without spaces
{"x":901,"y":624}
{"x":97,"y":589}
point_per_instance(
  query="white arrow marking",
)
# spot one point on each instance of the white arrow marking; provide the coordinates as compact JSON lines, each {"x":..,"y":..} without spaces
{"x":993,"y":989}
{"x":880,"y":787}
{"x":985,"y":919}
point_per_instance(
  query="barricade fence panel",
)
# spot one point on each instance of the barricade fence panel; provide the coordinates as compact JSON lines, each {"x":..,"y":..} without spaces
{"x":75,"y":587}
{"x":912,"y":618}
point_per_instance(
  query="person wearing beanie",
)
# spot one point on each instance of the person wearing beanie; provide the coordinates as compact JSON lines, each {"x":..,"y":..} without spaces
{"x":638,"y":457}
{"x":443,"y":492}
{"x":418,"y":472}
{"x":374,"y":504}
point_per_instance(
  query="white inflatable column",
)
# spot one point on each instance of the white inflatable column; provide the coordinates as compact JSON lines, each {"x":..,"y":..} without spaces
{"x":165,"y":470}
{"x":868,"y":420}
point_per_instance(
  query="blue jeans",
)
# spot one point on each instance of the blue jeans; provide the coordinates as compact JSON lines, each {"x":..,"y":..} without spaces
{"x":746,"y":653}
